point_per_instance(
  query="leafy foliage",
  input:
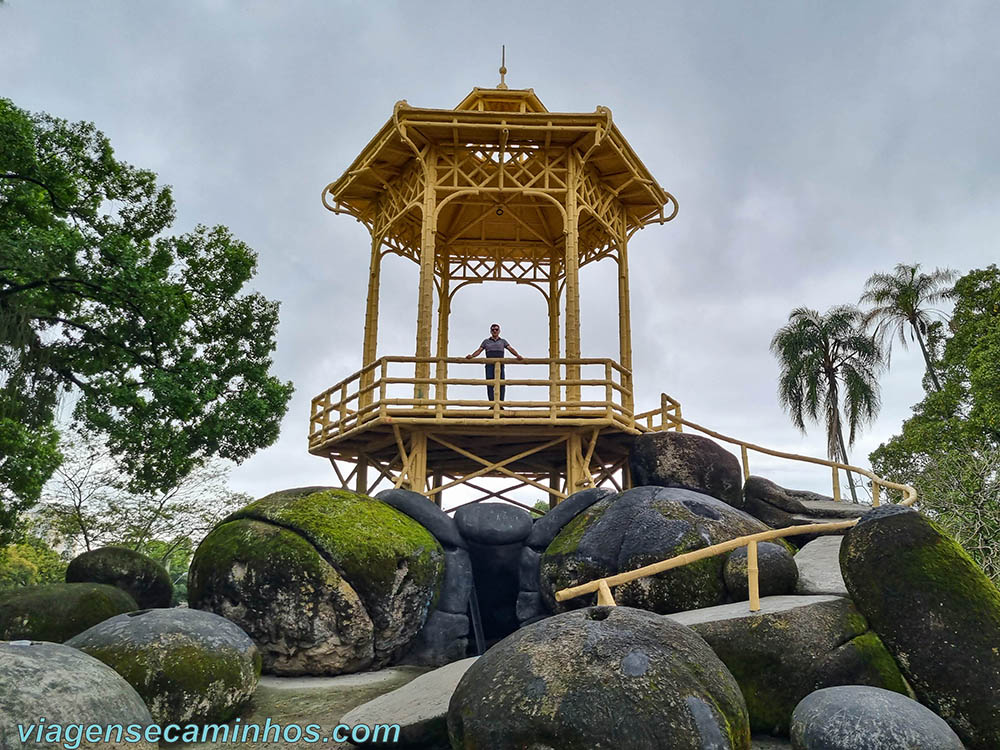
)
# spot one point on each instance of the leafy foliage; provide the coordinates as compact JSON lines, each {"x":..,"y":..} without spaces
{"x":950,"y":448}
{"x":30,"y":562}
{"x":166,"y":359}
{"x":900,"y":305}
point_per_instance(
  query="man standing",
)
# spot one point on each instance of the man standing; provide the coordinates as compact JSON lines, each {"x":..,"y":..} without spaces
{"x":494,"y":347}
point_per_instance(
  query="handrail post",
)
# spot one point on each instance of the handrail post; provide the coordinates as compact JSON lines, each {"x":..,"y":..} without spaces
{"x":746,"y":462}
{"x":836,"y":484}
{"x":496,"y":388}
{"x":752,"y":577}
{"x":604,"y":597}
{"x":875,"y":494}
{"x":608,"y":390}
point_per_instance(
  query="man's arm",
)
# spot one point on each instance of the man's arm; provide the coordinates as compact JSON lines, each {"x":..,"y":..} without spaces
{"x":514,"y":351}
{"x":475,"y":353}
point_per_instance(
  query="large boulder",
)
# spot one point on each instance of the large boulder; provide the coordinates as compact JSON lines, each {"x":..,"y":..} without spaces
{"x":691,"y":462}
{"x":189,"y":666}
{"x":604,"y":677}
{"x":936,"y":611}
{"x":638,"y":527}
{"x":819,"y":567}
{"x":141,"y":577}
{"x":493,"y":523}
{"x":324,"y":581}
{"x":791,"y":647}
{"x":57,"y":611}
{"x":70,"y":691}
{"x":858,"y":717}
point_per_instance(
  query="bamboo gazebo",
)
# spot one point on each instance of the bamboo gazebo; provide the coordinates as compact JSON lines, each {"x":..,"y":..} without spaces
{"x":496,"y":189}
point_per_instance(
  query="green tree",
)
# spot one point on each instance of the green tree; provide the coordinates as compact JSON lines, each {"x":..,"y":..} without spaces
{"x":900,"y":304}
{"x":87,"y":504}
{"x":829,"y":365}
{"x":150,"y":333}
{"x":30,"y":562}
{"x":950,"y":448}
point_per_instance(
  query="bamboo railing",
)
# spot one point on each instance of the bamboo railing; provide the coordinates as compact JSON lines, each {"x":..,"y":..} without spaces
{"x":389,"y":387}
{"x":602,"y":586}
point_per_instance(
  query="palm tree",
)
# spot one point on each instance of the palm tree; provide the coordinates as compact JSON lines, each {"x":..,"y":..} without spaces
{"x":899,"y":302}
{"x":819,"y":355}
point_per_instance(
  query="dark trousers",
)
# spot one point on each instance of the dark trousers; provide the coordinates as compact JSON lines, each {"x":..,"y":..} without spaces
{"x":490,"y":374}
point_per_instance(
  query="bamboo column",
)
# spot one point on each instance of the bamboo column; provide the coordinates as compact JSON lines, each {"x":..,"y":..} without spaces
{"x":418,"y":461}
{"x":444,"y":313}
{"x":553,"y":300}
{"x":572,"y":271}
{"x":425,"y":298}
{"x":624,"y":316}
{"x":371,"y":321}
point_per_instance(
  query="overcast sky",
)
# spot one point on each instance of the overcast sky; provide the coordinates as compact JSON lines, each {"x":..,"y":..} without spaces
{"x":808,"y":144}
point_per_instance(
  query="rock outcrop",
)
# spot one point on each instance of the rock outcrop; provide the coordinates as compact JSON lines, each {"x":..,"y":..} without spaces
{"x":324,"y":581}
{"x":603,"y":677}
{"x":690,"y":462}
{"x":793,"y":646}
{"x":936,"y":611}
{"x":139,"y":576}
{"x":69,"y":690}
{"x":638,"y":527}
{"x":188,"y":666}
{"x":777,"y":573}
{"x":57,"y":611}
{"x":857,"y":717}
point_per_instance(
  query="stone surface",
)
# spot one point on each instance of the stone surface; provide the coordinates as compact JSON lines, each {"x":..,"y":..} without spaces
{"x":427,"y":514}
{"x":139,"y":576}
{"x":776,"y":571}
{"x":457,"y":583}
{"x":937,"y":612}
{"x":443,"y":639}
{"x":530,"y":606}
{"x":791,"y":647}
{"x":324,"y":582}
{"x":57,"y":611}
{"x":493,"y":523}
{"x":819,"y":567}
{"x":855,"y":717}
{"x":780,"y":507}
{"x":544,"y":530}
{"x":691,"y":462}
{"x":641,"y":526}
{"x":420,"y":708}
{"x":528,"y":570}
{"x":603,"y":677}
{"x":187,"y":665}
{"x":65,"y":686}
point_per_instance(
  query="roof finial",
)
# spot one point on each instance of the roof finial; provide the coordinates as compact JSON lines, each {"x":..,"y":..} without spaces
{"x":503,"y":66}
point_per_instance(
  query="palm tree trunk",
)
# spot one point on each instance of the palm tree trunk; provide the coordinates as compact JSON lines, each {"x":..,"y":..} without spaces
{"x":843,"y":452}
{"x":927,"y":359}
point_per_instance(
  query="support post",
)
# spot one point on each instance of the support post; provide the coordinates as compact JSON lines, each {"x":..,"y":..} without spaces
{"x":572,"y":271}
{"x":425,"y":292}
{"x":752,"y":577}
{"x":554,"y":369}
{"x":371,"y":322}
{"x":624,"y":317}
{"x":444,"y":313}
{"x":361,"y":479}
{"x":576,"y":474}
{"x":418,"y":461}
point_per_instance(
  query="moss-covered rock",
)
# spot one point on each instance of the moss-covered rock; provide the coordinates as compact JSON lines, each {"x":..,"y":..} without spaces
{"x":604,"y":677}
{"x":70,"y":691}
{"x":189,"y":666}
{"x":936,"y":611}
{"x":638,"y":527}
{"x":325,"y":581}
{"x":791,"y":647}
{"x":141,"y":577}
{"x":57,"y":611}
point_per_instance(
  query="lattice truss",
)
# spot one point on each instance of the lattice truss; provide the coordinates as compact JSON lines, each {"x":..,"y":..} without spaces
{"x":581,"y":466}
